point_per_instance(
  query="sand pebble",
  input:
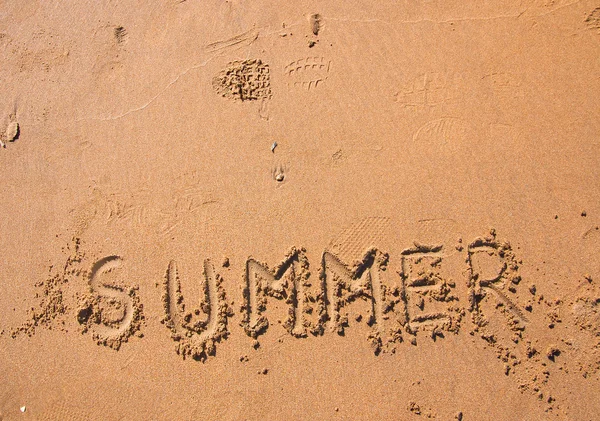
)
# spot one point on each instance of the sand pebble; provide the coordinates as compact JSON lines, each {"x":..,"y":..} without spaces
{"x":23,"y":409}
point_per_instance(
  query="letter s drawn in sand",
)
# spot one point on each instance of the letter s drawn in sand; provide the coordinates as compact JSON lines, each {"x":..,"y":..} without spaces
{"x":110,"y":309}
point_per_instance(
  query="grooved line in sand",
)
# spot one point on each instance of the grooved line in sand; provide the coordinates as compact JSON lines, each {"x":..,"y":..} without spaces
{"x":247,"y":37}
{"x":466,"y":19}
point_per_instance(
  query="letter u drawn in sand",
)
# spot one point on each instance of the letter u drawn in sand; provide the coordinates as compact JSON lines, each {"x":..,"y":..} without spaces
{"x":196,"y":331}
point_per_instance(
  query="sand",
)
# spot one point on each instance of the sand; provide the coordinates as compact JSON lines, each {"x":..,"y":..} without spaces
{"x":309,"y":210}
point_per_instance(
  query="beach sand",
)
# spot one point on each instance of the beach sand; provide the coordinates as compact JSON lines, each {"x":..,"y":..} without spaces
{"x":311,"y":210}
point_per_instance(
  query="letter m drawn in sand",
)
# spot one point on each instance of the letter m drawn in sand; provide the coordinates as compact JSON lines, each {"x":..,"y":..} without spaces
{"x":288,"y":282}
{"x":345,"y":285}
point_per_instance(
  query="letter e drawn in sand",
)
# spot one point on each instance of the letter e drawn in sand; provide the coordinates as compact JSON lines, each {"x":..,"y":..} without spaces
{"x":196,"y":330}
{"x":346,"y":285}
{"x":110,"y":309}
{"x":290,"y":282}
{"x":430,"y":301}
